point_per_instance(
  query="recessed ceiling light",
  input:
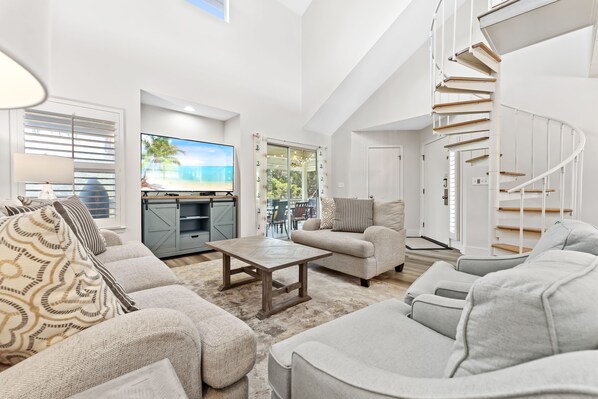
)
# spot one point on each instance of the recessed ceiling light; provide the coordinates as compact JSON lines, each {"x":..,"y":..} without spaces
{"x":189,"y":109}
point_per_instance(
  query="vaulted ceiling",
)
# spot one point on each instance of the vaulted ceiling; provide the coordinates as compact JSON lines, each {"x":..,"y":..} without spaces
{"x":297,"y":6}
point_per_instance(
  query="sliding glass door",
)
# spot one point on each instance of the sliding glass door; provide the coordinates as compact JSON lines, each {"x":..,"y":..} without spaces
{"x":292,"y":189}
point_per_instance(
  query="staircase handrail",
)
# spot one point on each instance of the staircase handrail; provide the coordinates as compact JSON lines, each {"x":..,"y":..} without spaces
{"x":575,"y":154}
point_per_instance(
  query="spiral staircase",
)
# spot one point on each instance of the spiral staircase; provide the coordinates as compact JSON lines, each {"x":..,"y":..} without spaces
{"x":534,"y":162}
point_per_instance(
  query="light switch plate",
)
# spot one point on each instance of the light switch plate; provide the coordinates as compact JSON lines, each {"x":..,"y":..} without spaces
{"x":479,"y":181}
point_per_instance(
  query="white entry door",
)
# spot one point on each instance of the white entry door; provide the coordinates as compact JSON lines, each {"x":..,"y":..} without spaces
{"x":436,"y":174}
{"x":385,"y":173}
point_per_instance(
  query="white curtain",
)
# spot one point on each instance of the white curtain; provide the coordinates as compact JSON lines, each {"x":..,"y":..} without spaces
{"x":260,"y":147}
{"x":323,"y":171}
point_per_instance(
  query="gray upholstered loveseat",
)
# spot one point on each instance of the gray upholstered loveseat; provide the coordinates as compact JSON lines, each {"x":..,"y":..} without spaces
{"x":528,"y":332}
{"x":211,"y":350}
{"x":378,"y":249}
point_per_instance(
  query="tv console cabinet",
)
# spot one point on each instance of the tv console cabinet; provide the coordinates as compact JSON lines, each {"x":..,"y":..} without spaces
{"x":182,"y":225}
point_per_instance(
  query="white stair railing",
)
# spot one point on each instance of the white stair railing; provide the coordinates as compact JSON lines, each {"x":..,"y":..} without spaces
{"x":567,"y":168}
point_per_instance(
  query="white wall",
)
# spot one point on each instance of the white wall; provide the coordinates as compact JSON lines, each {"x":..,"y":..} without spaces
{"x":105,"y":52}
{"x":410,"y":141}
{"x":165,"y":122}
{"x":403,"y":96}
{"x":336,"y":34}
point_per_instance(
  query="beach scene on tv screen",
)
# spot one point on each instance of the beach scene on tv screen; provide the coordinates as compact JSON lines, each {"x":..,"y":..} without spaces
{"x":170,"y":164}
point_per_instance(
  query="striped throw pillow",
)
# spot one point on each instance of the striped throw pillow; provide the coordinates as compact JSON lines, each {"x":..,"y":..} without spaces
{"x":128,"y":304}
{"x":353,"y":215}
{"x":77,"y":216}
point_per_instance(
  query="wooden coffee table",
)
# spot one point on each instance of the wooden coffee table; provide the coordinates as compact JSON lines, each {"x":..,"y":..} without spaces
{"x":266,"y":255}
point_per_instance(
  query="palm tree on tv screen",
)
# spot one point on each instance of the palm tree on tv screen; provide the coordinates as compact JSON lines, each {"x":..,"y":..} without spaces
{"x":159,"y":154}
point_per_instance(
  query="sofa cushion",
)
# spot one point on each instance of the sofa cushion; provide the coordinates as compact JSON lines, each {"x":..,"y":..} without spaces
{"x":49,"y":289}
{"x":76,"y":214}
{"x":570,"y":235}
{"x":389,"y":214}
{"x":380,"y":335}
{"x":142,"y":273}
{"x":228,"y":346}
{"x":353,"y":215}
{"x":439,"y":271}
{"x":129,"y":250}
{"x":335,"y":241}
{"x":327,"y":213}
{"x":538,"y":309}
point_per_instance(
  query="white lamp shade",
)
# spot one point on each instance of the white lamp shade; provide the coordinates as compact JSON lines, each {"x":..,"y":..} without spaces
{"x":34,"y":168}
{"x":24,"y":52}
{"x":19,"y":87}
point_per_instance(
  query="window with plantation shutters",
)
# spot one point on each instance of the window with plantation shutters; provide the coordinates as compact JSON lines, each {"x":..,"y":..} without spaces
{"x":93,"y":144}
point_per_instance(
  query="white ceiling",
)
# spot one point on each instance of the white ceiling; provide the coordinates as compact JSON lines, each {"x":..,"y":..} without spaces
{"x":415,"y":123}
{"x":297,"y":6}
{"x":179,"y":105}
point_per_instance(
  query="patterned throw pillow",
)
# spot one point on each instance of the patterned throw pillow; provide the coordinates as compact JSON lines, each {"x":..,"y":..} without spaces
{"x":16,"y":210}
{"x":28,"y":201}
{"x":76,"y":214}
{"x":4,"y":203}
{"x":327,"y":213}
{"x":49,"y":289}
{"x":353,"y":215}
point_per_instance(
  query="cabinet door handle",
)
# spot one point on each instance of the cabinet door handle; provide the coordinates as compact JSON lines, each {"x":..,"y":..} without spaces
{"x":195,"y":236}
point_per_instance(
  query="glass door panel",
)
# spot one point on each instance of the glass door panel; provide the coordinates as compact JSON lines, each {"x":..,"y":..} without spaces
{"x":292,"y":189}
{"x":278,"y":192}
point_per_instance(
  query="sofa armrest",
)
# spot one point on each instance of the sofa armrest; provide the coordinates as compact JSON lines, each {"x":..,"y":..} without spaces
{"x":106,"y":351}
{"x":389,"y":246}
{"x":112,"y":239}
{"x":320,"y":371}
{"x":482,"y":265}
{"x":452,"y":289}
{"x":312,"y":224}
{"x":440,"y":314}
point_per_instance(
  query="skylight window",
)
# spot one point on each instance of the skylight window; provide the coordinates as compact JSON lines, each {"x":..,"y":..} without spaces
{"x":218,"y":8}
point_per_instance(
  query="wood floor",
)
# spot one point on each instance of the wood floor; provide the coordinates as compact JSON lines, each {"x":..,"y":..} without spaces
{"x":416,"y":262}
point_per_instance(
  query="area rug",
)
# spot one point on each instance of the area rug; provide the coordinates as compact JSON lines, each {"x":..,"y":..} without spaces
{"x":333,"y":295}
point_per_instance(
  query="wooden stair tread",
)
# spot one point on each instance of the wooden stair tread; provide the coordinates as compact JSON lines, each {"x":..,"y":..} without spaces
{"x":452,"y":125}
{"x":511,"y":248}
{"x":516,"y":228}
{"x":466,"y":142}
{"x":475,"y":159}
{"x":531,"y":190}
{"x":483,"y":46}
{"x":472,"y":160}
{"x":478,"y":101}
{"x":507,"y":173}
{"x":548,"y":210}
{"x":468,"y":78}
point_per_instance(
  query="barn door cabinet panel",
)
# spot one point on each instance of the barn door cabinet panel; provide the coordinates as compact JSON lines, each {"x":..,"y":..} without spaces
{"x":182,"y":225}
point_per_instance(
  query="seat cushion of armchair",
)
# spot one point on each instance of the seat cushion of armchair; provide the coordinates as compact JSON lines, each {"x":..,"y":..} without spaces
{"x":228,"y":345}
{"x":335,"y":241}
{"x":141,"y":273}
{"x":426,"y":283}
{"x":131,"y":249}
{"x":380,"y":335}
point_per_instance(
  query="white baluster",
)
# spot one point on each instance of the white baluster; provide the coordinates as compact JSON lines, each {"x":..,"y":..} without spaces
{"x":516,"y":140}
{"x":562,"y":194}
{"x":455,"y":29}
{"x":471,"y":27}
{"x":521,"y":216}
{"x":544,"y":183}
{"x":548,"y":149}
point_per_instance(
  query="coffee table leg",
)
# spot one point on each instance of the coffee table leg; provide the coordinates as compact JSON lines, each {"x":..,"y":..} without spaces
{"x":225,"y":273}
{"x":303,"y":280}
{"x":266,"y":295}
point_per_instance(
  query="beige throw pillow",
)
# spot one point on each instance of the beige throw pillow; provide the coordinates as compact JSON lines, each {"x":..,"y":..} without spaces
{"x":538,"y":309}
{"x":353,"y":215}
{"x":49,"y":289}
{"x":327,"y":213}
{"x":390,"y":214}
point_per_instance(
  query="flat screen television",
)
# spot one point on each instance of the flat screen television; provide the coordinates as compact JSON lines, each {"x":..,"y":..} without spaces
{"x":171,"y":164}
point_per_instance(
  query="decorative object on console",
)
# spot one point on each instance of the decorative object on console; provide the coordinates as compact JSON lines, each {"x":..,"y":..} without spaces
{"x":327,"y":213}
{"x":49,"y":288}
{"x":353,"y":215}
{"x":47,"y":169}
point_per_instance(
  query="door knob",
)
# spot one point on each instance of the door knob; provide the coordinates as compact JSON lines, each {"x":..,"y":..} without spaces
{"x":371,"y":197}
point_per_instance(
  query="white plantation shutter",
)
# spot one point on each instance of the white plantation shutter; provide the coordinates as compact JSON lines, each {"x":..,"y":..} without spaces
{"x":92,"y":143}
{"x":453,"y":195}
